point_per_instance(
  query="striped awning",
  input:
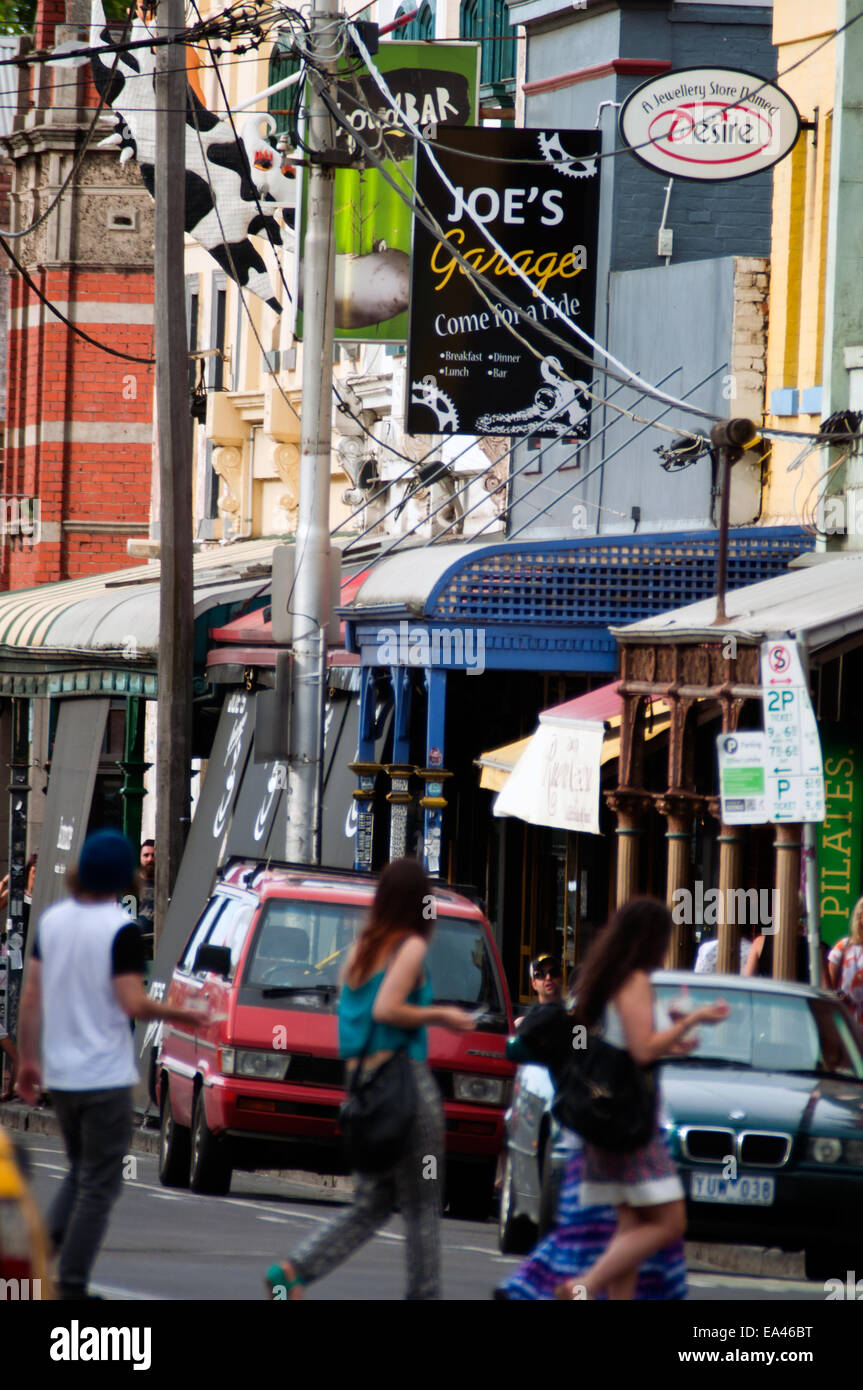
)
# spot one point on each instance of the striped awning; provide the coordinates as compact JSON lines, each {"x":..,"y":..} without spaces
{"x":100,"y":634}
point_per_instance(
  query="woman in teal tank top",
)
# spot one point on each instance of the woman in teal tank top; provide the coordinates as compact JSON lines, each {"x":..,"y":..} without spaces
{"x":386,"y":1004}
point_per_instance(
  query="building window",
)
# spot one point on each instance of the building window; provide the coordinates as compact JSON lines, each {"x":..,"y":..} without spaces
{"x":192,"y":304}
{"x":422,"y":24}
{"x":487,"y":22}
{"x":218,"y":314}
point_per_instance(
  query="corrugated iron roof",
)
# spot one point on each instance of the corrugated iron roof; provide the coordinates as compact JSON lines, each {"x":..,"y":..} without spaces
{"x":821,"y":602}
{"x":102,"y":612}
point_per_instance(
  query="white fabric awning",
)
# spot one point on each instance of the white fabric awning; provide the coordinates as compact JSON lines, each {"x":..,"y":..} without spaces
{"x":556,"y":780}
{"x":553,"y":777}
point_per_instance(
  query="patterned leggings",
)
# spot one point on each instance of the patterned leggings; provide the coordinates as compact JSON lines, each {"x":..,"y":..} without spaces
{"x":415,"y":1183}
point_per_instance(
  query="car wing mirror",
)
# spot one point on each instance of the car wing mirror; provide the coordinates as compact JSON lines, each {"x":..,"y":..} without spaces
{"x":213,"y":960}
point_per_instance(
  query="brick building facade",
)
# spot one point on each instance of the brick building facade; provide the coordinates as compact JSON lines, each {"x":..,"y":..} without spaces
{"x":77,"y":463}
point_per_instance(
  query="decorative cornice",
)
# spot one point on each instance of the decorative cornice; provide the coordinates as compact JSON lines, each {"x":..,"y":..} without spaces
{"x":622,"y":67}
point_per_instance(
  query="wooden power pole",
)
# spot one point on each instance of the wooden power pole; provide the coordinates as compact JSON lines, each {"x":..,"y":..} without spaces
{"x":176,"y":605}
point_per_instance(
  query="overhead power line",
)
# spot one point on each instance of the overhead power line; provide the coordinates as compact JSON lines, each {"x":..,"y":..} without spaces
{"x":79,"y":332}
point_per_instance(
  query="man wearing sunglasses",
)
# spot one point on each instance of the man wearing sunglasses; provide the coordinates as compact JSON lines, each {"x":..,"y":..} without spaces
{"x":546,"y":981}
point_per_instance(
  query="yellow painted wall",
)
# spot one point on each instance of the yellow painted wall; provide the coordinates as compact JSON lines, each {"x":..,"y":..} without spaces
{"x":801,"y":185}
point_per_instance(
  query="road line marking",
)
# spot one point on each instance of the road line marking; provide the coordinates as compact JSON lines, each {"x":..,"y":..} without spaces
{"x":128,"y":1295}
{"x":750,"y":1281}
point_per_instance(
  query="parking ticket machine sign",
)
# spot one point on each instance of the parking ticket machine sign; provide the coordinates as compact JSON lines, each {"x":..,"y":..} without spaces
{"x":795,"y":770}
{"x":742,"y":785}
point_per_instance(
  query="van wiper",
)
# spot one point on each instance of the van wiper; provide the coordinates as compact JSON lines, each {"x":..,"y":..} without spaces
{"x":283,"y":991}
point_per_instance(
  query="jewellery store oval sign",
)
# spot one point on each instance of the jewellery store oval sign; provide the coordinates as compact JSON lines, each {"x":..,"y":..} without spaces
{"x":709,"y":123}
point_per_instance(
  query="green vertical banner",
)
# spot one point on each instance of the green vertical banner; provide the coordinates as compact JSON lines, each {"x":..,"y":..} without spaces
{"x":839,"y":835}
{"x":432,"y":85}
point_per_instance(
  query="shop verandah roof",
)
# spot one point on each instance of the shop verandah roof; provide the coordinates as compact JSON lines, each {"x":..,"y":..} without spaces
{"x":820,"y":603}
{"x":58,"y":638}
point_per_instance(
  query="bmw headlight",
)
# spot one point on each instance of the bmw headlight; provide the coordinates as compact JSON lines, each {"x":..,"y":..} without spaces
{"x":482,"y":1090}
{"x":825,"y":1150}
{"x":852,"y":1152}
{"x":255,"y":1064}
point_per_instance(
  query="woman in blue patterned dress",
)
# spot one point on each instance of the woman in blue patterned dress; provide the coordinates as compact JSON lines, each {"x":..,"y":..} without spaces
{"x":580,"y":1236}
{"x":614,"y":990}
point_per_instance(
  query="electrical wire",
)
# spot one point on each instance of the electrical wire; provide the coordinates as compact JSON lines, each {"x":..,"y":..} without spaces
{"x":705,"y":123}
{"x":479,"y":281}
{"x":556,"y":469}
{"x":79,"y":158}
{"x":265,"y":218}
{"x":531,"y":462}
{"x":513,"y":265}
{"x":79,"y":332}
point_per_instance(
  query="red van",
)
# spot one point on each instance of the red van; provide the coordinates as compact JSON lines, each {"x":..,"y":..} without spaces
{"x":259,"y":1084}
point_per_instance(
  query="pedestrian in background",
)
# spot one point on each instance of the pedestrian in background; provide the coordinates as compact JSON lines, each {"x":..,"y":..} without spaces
{"x":708,"y":956}
{"x":546,"y":981}
{"x":385,"y":1004}
{"x":146,"y":894}
{"x":29,"y":880}
{"x":845,"y":964}
{"x":83,"y":985}
{"x":613,"y":990}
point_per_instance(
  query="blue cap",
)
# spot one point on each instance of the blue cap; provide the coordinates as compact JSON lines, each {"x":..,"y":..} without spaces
{"x":107,"y":863}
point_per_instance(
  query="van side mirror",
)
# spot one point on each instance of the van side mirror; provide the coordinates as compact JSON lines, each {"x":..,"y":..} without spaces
{"x":214,"y":960}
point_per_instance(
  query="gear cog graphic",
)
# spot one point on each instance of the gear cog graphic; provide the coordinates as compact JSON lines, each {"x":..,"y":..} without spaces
{"x":427,"y":394}
{"x":552,"y":150}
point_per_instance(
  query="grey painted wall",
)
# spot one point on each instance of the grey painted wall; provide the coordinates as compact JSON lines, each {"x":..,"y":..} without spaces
{"x":658,"y":319}
{"x":707,"y":220}
{"x":670,"y":324}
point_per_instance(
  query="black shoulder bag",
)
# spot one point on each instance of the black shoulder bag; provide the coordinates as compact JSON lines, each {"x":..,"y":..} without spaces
{"x":377,"y":1115}
{"x":606,"y":1097}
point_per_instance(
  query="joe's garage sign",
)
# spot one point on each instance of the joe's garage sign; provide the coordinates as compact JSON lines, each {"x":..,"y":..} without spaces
{"x":709,"y":124}
{"x":516,"y":252}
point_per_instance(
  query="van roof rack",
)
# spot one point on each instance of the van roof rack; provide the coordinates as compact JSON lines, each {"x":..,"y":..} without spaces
{"x":465,"y":890}
{"x":261,"y":866}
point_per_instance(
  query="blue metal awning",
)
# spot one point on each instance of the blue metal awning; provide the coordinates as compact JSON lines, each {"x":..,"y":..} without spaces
{"x":545,"y":605}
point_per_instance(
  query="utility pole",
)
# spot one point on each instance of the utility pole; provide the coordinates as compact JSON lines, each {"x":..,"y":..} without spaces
{"x":730,"y":438}
{"x":310,"y":599}
{"x":176,"y":604}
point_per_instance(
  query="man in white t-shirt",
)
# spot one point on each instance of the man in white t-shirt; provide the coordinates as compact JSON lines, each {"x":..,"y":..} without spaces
{"x":84,"y":984}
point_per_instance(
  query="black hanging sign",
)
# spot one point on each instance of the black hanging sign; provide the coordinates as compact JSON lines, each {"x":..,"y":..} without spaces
{"x":467,"y":372}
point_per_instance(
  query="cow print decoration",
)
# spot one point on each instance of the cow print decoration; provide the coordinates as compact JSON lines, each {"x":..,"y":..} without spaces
{"x":245,"y":173}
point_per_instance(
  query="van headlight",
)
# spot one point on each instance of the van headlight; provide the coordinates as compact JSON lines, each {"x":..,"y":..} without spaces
{"x":481,"y":1090}
{"x":254,"y":1064}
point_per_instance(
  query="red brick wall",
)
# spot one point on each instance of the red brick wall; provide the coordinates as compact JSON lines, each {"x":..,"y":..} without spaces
{"x":56,"y":379}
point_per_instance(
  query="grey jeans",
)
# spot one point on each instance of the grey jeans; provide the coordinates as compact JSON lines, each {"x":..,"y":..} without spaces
{"x":97,"y":1131}
{"x":415,"y":1183}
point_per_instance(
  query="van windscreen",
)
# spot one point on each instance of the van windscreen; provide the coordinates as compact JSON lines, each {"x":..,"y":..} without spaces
{"x":301,"y":947}
{"x":302,"y":944}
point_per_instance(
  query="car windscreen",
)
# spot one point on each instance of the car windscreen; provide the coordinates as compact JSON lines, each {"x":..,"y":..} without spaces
{"x":462,"y":971}
{"x":300,"y":948}
{"x":767,"y":1031}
